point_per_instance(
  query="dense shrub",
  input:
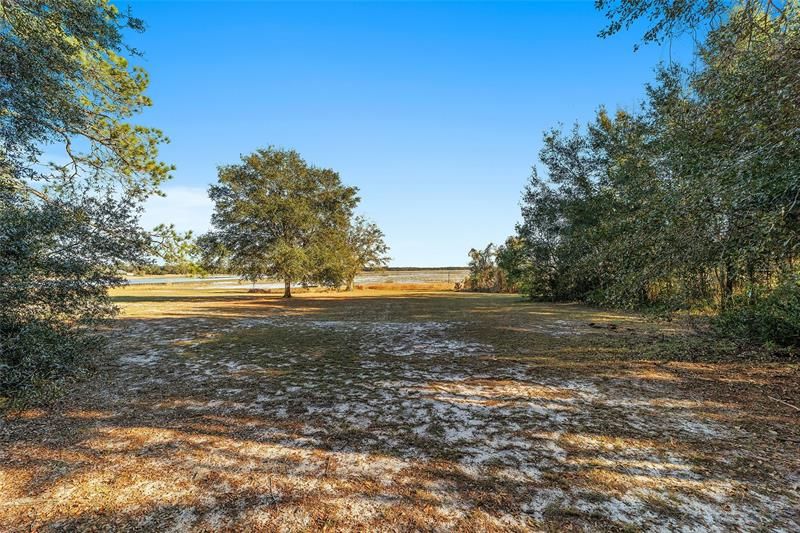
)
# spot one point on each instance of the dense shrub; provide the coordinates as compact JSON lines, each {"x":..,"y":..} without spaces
{"x":485,"y":272}
{"x":37,"y":357}
{"x":772,"y":319}
{"x":55,"y":270}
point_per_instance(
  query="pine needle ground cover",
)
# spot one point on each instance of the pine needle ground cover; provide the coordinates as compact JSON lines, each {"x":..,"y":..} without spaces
{"x":215,"y":409}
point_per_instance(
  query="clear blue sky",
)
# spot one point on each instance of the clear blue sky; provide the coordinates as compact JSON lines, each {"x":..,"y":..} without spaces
{"x":435,"y":111}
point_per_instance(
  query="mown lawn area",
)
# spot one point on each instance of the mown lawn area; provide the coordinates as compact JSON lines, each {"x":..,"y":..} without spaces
{"x":414,"y":409}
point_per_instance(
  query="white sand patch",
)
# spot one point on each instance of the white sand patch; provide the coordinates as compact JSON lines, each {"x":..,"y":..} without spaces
{"x":641,"y":412}
{"x":358,"y":508}
{"x":542,"y":499}
{"x":148,"y":359}
{"x":359,"y":464}
{"x":184,"y":521}
{"x":401,"y":339}
{"x":416,"y":406}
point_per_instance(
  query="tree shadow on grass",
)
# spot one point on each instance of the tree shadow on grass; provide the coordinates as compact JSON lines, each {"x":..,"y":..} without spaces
{"x":413,"y":442}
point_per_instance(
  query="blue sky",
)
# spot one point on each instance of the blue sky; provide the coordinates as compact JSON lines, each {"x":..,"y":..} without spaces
{"x":435,"y":111}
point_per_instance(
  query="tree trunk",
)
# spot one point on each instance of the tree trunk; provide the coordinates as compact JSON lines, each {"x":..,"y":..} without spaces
{"x":727,"y":284}
{"x":349,"y":286}
{"x":287,"y":288}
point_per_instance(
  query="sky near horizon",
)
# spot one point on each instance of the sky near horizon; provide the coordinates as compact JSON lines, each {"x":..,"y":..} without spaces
{"x":435,"y":111}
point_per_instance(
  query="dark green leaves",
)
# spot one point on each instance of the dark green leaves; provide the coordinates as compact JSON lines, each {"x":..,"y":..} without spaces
{"x":277,"y":216}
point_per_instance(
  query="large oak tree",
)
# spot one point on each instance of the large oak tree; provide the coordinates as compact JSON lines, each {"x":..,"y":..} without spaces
{"x":277,"y":216}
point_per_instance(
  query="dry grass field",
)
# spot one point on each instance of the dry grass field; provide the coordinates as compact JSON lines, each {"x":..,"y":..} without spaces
{"x":403,"y":409}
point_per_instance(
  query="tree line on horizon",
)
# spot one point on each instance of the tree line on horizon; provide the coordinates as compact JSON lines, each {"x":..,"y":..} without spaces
{"x":689,"y":202}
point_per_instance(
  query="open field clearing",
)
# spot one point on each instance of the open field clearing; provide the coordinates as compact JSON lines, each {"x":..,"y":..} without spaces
{"x":219,"y":409}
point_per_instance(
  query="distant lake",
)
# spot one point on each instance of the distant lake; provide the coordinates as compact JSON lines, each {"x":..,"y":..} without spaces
{"x":394,"y":276}
{"x":160,"y":280}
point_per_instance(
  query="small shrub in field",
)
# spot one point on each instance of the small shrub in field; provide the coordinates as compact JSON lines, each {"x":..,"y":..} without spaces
{"x":772,"y":319}
{"x":485,"y":274}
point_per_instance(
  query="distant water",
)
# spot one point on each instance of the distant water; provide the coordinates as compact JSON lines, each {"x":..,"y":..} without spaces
{"x":397,"y":276}
{"x":161,"y":280}
{"x":366,"y":278}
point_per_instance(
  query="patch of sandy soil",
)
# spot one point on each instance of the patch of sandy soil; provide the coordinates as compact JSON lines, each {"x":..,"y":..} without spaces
{"x":302,"y":422}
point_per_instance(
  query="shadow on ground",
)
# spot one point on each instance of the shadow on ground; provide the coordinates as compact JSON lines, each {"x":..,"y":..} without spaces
{"x":420,"y":411}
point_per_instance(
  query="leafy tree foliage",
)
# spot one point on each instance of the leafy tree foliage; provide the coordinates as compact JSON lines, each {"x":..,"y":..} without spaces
{"x":277,"y":216}
{"x":213,"y":256}
{"x":66,"y":83}
{"x":514,"y":262}
{"x":366,"y":249}
{"x":482,"y":268}
{"x":73,"y":172}
{"x":670,"y":18}
{"x":772,"y":319}
{"x":485,"y":272}
{"x":179,"y":253}
{"x":692,"y":200}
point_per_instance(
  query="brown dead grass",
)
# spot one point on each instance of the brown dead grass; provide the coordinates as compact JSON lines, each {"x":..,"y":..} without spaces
{"x":387,"y":409}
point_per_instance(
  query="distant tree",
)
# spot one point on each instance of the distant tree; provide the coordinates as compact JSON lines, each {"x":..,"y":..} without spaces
{"x":483,"y":272}
{"x":366,"y":248}
{"x":178,"y":251}
{"x":66,"y":226}
{"x":277,"y":216}
{"x":513,"y":260}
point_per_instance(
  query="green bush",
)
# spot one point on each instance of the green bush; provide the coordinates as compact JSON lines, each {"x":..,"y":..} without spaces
{"x":36,"y":357}
{"x":770,"y":319}
{"x":55,"y":272}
